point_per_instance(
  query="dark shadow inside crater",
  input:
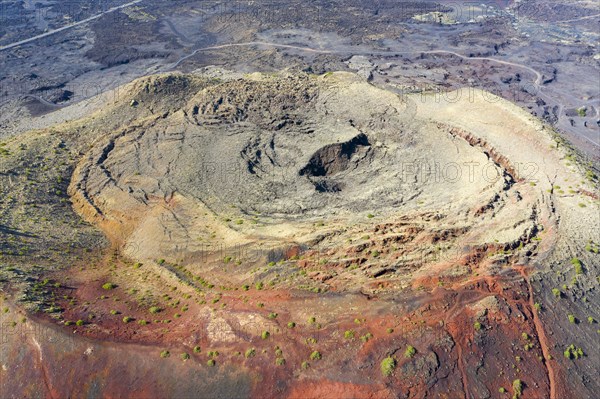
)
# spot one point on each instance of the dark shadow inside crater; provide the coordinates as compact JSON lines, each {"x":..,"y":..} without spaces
{"x":333,"y":159}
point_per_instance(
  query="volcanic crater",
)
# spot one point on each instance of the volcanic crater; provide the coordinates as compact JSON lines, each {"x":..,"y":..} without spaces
{"x":338,"y":222}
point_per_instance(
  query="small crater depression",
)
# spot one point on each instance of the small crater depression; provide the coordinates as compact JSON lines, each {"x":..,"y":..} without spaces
{"x":334,"y":159}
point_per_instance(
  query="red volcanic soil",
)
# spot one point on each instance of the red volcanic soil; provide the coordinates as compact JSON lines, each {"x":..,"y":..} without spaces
{"x":329,"y":389}
{"x":468,"y":335}
{"x":472,"y":333}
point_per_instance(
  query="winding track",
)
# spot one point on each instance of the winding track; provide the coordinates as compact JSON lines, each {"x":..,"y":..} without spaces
{"x":577,"y":19}
{"x":537,"y":74}
{"x":541,"y":334}
{"x":66,"y":27}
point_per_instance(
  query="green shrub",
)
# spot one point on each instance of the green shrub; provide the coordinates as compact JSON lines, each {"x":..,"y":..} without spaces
{"x":165,"y":354}
{"x":79,"y":322}
{"x":109,"y":286}
{"x":556,"y":292}
{"x":573,"y":352}
{"x":291,"y":324}
{"x":517,"y":389}
{"x":577,"y":265}
{"x":389,"y":330}
{"x":114,"y":312}
{"x":305,"y":365}
{"x":366,"y":337}
{"x":142,"y":322}
{"x":127,"y":319}
{"x":211,"y":363}
{"x":155,"y":309}
{"x":591,"y":320}
{"x":185,"y":356}
{"x":409,"y":352}
{"x":272,"y":315}
{"x":250,"y":353}
{"x":280,"y":361}
{"x":501,"y":390}
{"x":388,"y":365}
{"x":265,"y":335}
{"x":527,"y":347}
{"x":316,"y":355}
{"x":259,"y":285}
{"x":572,"y":319}
{"x":477,"y":326}
{"x":197,"y":349}
{"x":349,"y":334}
